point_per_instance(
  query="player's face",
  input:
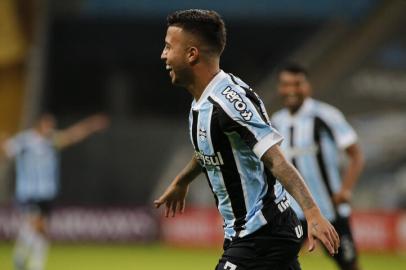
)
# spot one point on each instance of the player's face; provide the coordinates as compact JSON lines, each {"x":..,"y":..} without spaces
{"x":47,"y":124}
{"x":293,"y":88}
{"x":175,"y":55}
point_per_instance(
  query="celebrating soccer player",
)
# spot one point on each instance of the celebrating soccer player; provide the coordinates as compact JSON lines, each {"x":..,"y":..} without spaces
{"x":37,"y":180}
{"x":238,"y":150}
{"x":315,"y":133}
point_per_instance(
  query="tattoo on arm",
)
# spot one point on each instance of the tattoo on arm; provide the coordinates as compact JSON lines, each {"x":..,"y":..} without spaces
{"x":314,"y":226}
{"x":289,"y":177}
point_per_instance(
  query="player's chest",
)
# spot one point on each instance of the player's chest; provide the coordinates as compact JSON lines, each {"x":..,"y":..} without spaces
{"x":38,"y":148}
{"x":203,"y":129}
{"x":298,"y":133}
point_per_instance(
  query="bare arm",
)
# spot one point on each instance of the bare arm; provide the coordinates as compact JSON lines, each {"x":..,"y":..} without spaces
{"x":3,"y":154}
{"x":174,"y":196}
{"x":351,"y":173}
{"x":81,"y":130}
{"x":290,"y":178}
{"x":6,"y":153}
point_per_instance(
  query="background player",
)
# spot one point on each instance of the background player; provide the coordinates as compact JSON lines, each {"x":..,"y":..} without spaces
{"x":37,"y":181}
{"x":238,"y":150}
{"x":315,"y":133}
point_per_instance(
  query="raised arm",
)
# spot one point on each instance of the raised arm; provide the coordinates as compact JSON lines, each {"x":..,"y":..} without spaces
{"x":175,"y":194}
{"x":81,"y":130}
{"x":290,"y":178}
{"x":3,"y":151}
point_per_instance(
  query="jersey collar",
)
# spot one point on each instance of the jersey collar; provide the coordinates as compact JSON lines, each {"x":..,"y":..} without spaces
{"x":209,"y":88}
{"x":307,"y":106}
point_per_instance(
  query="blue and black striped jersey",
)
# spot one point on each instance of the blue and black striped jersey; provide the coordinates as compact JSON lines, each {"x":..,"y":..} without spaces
{"x":314,"y":137}
{"x":230,"y":131}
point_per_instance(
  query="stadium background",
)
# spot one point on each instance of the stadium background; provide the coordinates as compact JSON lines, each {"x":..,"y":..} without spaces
{"x":78,"y":57}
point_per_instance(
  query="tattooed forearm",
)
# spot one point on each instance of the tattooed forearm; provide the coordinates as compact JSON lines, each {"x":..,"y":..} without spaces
{"x":294,"y":184}
{"x":289,"y":177}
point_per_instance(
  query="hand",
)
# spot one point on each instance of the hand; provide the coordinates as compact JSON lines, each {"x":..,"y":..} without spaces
{"x":173,"y":198}
{"x":320,"y":228}
{"x":98,"y":122}
{"x":343,"y":196}
{"x":3,"y":138}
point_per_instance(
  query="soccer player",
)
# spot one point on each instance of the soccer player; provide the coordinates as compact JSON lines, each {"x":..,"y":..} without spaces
{"x":238,"y":150}
{"x":37,"y":181}
{"x":315,"y":133}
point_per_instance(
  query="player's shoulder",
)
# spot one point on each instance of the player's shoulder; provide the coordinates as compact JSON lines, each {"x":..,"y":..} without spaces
{"x":227,"y":91}
{"x":228,"y":84}
{"x":24,"y":135}
{"x":325,"y":110}
{"x":230,"y":96}
{"x":280,"y":115}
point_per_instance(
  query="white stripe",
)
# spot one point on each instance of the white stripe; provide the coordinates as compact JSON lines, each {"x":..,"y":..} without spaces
{"x":267,"y":142}
{"x":191,"y":127}
{"x":208,"y":130}
{"x":219,"y":173}
{"x":242,"y":176}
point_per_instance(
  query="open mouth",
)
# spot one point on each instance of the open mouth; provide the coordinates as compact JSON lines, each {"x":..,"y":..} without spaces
{"x":169,"y":68}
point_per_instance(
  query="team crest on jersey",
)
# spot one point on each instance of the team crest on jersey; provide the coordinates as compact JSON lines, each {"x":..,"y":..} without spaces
{"x":202,"y":134}
{"x":238,"y":102}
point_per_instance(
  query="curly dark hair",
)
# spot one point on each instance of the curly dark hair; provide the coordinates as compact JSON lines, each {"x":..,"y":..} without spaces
{"x":206,"y":24}
{"x":293,"y":67}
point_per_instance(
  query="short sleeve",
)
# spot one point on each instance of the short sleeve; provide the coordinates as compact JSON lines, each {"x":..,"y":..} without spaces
{"x":343,"y":133}
{"x":13,"y":146}
{"x":238,"y":113}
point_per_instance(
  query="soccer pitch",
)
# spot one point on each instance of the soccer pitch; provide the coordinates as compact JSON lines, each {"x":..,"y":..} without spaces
{"x":155,"y":257}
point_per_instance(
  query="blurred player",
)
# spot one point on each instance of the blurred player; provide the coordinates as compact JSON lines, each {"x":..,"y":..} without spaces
{"x":37,"y":180}
{"x":238,"y":150}
{"x":315,"y":133}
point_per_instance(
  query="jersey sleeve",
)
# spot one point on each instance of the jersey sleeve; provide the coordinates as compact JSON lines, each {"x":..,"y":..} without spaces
{"x":13,"y":146}
{"x":342,"y":131}
{"x":244,"y":115}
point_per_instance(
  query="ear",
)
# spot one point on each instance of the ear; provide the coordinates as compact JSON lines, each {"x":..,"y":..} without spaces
{"x":193,"y":55}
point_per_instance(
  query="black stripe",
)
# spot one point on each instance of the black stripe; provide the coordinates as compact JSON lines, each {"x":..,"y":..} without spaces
{"x":229,"y":125}
{"x":269,"y":209}
{"x":231,"y":176}
{"x":195,"y":115}
{"x":292,"y":143}
{"x":249,"y":93}
{"x":319,"y":127}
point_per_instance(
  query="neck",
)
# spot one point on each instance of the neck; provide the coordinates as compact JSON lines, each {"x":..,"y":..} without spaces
{"x":294,"y":110}
{"x":202,"y":77}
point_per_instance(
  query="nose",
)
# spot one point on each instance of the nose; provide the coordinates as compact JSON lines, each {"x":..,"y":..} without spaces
{"x":163,"y":54}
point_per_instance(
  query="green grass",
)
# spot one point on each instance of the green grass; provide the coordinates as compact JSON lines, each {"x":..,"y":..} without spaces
{"x":155,"y":257}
